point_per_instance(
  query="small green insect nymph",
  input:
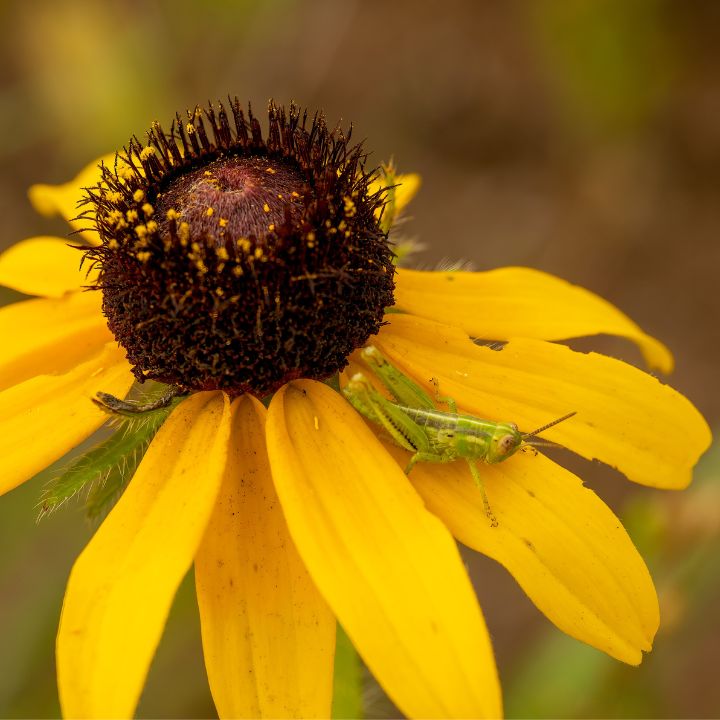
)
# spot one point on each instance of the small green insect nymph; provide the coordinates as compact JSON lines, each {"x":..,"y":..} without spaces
{"x":414,"y":423}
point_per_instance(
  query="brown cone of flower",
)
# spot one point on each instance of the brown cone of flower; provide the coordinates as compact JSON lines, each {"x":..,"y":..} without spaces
{"x":234,"y":261}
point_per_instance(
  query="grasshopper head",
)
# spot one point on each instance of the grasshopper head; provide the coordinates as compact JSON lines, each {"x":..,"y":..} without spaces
{"x":505,"y":441}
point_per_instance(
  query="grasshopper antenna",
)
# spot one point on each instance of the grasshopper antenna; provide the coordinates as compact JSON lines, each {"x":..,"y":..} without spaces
{"x":549,"y":425}
{"x":543,"y":443}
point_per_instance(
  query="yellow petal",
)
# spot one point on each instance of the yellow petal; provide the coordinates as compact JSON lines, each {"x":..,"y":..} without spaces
{"x":625,"y":418}
{"x":401,"y":190}
{"x":44,"y":266}
{"x":388,"y":568}
{"x":407,"y":187}
{"x":122,"y":585}
{"x":268,"y":636}
{"x":562,"y":544}
{"x":45,"y":417}
{"x":50,"y":336}
{"x":64,"y":199}
{"x":519,"y":302}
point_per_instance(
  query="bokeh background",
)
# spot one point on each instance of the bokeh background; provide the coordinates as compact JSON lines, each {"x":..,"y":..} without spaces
{"x":581,"y":137}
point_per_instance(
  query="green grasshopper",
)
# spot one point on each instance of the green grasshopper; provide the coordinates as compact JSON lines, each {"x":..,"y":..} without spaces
{"x":415,"y":424}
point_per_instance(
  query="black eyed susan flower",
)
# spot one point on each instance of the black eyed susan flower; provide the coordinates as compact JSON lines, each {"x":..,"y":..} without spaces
{"x":233,"y":265}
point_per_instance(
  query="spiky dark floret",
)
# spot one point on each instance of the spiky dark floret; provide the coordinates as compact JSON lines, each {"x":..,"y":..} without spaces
{"x":237,"y":262}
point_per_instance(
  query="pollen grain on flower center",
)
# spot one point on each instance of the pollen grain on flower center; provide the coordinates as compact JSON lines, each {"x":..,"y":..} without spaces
{"x":233,"y":262}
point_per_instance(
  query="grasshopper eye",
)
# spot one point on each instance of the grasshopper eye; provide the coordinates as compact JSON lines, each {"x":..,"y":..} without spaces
{"x":506,"y":444}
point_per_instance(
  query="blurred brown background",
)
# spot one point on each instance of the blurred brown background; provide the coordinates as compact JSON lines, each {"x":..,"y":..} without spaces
{"x":581,"y":137}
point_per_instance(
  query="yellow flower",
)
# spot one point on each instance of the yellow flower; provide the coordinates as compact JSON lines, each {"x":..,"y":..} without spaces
{"x":297,"y":515}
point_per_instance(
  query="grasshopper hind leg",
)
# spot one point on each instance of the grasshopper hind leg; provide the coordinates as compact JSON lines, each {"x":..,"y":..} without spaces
{"x":481,"y":486}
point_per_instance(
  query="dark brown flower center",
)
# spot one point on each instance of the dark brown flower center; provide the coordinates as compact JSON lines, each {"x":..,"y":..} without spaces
{"x":235,"y":196}
{"x":238,"y":263}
